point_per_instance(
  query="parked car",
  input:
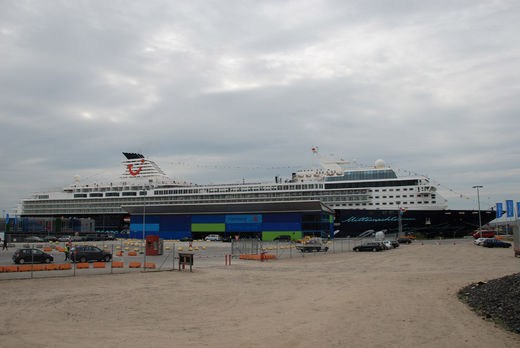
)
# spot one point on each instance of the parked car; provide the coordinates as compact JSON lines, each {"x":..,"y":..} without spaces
{"x":394,"y":243}
{"x":28,"y":255}
{"x":484,"y":234}
{"x":34,"y":239}
{"x":284,"y":238}
{"x":314,"y":244}
{"x":387,"y":244}
{"x":87,"y":253}
{"x":77,"y":238}
{"x":213,"y":237}
{"x":495,"y":243}
{"x":187,"y":239}
{"x":108,"y":236}
{"x":50,"y":238}
{"x":404,"y":240}
{"x":371,"y":246}
{"x":64,"y":238}
{"x":91,"y":237}
{"x":479,"y":241}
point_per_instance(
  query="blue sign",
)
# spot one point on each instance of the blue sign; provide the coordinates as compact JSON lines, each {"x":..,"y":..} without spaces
{"x":244,"y":219}
{"x":518,"y":209}
{"x":509,"y":206}
{"x":500,"y":210}
{"x":7,"y":218}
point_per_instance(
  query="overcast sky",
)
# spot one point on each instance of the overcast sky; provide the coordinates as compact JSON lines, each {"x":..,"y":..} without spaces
{"x":221,"y":91}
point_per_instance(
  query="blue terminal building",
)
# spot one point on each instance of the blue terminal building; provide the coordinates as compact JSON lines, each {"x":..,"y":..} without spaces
{"x":264,"y":221}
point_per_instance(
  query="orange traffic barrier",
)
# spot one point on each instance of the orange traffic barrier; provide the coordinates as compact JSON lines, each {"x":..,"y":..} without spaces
{"x":24,"y":268}
{"x":99,"y":265}
{"x":132,"y":253}
{"x":51,"y":267}
{"x":47,"y":249}
{"x":135,"y":265}
{"x":257,"y":257}
{"x":117,"y":265}
{"x":82,"y":265}
{"x":38,"y":267}
{"x":149,"y":265}
{"x":10,"y":268}
{"x":60,"y":249}
{"x":64,"y":266}
{"x":119,"y":253}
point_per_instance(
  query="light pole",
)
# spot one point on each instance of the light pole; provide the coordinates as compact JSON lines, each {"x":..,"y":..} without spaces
{"x":144,"y":234}
{"x":478,"y":200}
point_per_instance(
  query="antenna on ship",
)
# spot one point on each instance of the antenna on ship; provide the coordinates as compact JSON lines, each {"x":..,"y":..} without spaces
{"x":329,"y":165}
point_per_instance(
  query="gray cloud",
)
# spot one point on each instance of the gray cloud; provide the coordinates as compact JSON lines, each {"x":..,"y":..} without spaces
{"x":244,"y":89}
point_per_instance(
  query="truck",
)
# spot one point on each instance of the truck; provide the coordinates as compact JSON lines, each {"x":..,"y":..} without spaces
{"x":314,"y":244}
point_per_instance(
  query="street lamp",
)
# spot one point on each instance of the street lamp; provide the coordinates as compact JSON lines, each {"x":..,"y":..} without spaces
{"x":478,"y":200}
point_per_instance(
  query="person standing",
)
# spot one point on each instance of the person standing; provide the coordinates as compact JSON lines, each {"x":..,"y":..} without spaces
{"x":67,"y":251}
{"x":5,"y":246}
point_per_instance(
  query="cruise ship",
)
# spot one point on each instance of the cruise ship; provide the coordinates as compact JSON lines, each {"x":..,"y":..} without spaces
{"x":365,"y":200}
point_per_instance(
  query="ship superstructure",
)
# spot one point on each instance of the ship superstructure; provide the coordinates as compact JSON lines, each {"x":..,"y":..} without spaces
{"x":377,"y":189}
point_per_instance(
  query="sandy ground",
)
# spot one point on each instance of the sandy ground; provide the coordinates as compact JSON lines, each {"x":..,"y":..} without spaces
{"x":398,"y":298}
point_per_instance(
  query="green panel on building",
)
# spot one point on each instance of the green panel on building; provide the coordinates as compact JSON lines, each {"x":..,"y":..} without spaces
{"x":270,"y":235}
{"x":200,"y":227}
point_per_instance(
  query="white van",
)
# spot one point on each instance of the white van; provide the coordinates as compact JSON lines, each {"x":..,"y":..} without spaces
{"x":213,"y":237}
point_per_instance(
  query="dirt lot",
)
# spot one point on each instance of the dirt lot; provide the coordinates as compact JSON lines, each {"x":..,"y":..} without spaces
{"x":398,"y":298}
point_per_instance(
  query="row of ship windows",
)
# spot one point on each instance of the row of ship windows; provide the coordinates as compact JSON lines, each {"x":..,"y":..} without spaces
{"x":209,"y":190}
{"x":404,"y":189}
{"x":336,"y":201}
{"x":384,"y":203}
{"x":78,"y":208}
{"x":404,"y":196}
{"x":116,"y":190}
{"x":143,"y":193}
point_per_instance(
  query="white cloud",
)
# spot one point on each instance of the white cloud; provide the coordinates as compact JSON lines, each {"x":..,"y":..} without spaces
{"x":431,"y":87}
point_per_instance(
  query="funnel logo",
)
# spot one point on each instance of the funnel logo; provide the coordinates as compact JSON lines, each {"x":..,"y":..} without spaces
{"x":137,"y":171}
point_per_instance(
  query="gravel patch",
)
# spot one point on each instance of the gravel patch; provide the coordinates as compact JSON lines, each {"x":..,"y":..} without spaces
{"x":497,"y":300}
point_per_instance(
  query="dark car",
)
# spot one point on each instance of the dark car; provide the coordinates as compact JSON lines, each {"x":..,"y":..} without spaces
{"x":87,"y":253}
{"x":495,"y":243}
{"x":284,"y":238}
{"x":34,"y":239}
{"x":404,"y":240}
{"x":187,"y":239}
{"x":28,"y":255}
{"x":50,"y":238}
{"x":371,"y":246}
